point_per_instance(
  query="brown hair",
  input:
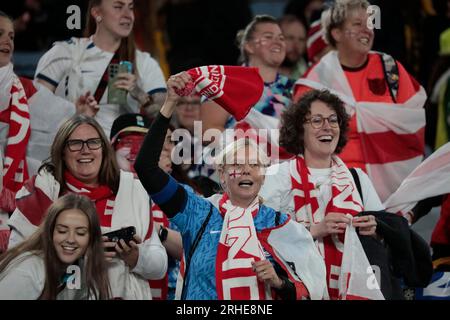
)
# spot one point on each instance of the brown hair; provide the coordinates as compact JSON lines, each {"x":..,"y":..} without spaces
{"x":127,"y":49}
{"x":109,"y":171}
{"x":246,"y":34}
{"x":292,"y":131}
{"x":94,"y":269}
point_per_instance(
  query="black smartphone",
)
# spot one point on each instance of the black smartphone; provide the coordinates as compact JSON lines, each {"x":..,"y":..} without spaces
{"x":127,"y":234}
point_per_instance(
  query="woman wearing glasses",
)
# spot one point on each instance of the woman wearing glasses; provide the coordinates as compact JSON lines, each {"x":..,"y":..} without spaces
{"x":316,"y":188}
{"x":229,"y":239}
{"x":263,"y":46}
{"x":82,"y":161}
{"x":385,"y":102}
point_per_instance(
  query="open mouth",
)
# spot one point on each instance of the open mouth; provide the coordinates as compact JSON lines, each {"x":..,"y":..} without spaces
{"x":275,"y":50}
{"x":69,"y":249}
{"x":325,"y":138}
{"x":246,"y":183}
{"x":5,"y":50}
{"x":125,"y":24}
{"x":85,"y":161}
{"x":365,"y":41}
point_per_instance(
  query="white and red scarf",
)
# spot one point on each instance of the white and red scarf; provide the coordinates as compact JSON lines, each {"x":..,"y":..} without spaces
{"x":159,"y":287}
{"x":345,"y":199}
{"x":238,"y":248}
{"x":17,"y":116}
{"x":236,"y":89}
{"x":391,"y":133}
{"x":290,"y":244}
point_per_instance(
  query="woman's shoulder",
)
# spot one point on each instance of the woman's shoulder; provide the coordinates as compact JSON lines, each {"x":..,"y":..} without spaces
{"x":144,"y":57}
{"x":72,"y":44}
{"x":30,"y":262}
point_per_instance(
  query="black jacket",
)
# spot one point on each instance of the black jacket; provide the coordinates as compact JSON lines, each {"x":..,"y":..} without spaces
{"x":402,"y":254}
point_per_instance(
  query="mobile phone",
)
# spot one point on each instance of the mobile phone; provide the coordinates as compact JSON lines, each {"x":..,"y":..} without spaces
{"x":127,"y":234}
{"x":115,"y":95}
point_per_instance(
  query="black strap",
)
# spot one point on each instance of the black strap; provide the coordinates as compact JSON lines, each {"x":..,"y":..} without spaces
{"x":194,"y":246}
{"x":105,"y":78}
{"x":391,"y":74}
{"x":357,"y":182}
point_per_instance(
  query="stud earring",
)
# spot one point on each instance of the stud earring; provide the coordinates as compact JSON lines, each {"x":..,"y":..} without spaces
{"x":98,"y":19}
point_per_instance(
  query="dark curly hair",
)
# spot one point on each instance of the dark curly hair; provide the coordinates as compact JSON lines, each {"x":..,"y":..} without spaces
{"x":292,"y":131}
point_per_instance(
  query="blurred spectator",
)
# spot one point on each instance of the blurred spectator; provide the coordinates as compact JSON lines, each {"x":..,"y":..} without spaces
{"x":303,"y":9}
{"x":438,"y":107}
{"x":294,"y":31}
{"x":434,"y":24}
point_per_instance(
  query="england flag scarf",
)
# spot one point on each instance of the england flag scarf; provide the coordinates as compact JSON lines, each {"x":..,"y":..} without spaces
{"x":384,"y":128}
{"x":238,"y":248}
{"x":17,"y":116}
{"x":341,"y":256}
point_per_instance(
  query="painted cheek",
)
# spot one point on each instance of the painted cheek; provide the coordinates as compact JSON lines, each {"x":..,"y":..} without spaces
{"x":234,"y":173}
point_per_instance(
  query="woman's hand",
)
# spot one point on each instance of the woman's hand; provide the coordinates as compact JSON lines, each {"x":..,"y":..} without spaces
{"x":367,"y":225}
{"x":109,"y":255}
{"x":129,"y":253}
{"x":333,"y":223}
{"x":127,"y":81}
{"x":87,"y":105}
{"x":177,"y":81}
{"x":265,"y":272}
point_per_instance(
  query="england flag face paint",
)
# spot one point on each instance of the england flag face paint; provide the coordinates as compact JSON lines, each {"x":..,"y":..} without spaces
{"x":242,"y":178}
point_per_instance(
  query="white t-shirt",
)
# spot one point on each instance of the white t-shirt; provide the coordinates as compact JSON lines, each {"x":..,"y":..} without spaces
{"x":278,"y":194}
{"x":81,"y":61}
{"x":24,"y":279}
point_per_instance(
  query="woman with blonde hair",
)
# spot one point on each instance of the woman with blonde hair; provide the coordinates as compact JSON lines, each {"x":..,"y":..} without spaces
{"x":67,"y":243}
{"x":235,"y":247}
{"x":82,"y":161}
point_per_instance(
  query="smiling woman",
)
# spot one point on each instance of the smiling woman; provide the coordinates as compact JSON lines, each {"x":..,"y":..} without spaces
{"x":82,"y":67}
{"x":316,"y":187}
{"x":69,"y":236}
{"x":208,"y":225}
{"x":82,"y":161}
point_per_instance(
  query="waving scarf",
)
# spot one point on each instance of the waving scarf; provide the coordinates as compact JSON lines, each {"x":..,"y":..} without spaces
{"x":345,"y":199}
{"x":391,"y":134}
{"x":236,"y":89}
{"x":17,"y":116}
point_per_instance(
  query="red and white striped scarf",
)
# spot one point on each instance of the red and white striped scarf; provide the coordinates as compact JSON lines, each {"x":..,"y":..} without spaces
{"x":17,"y":116}
{"x":391,"y":133}
{"x":238,"y":248}
{"x":345,"y":199}
{"x":160,"y":287}
{"x":35,"y":198}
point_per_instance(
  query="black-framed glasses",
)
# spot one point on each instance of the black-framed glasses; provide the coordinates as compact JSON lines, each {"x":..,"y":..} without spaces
{"x":317,"y":121}
{"x":78,"y":144}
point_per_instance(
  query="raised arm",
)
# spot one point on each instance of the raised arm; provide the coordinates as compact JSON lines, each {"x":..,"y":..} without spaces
{"x":163,"y":189}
